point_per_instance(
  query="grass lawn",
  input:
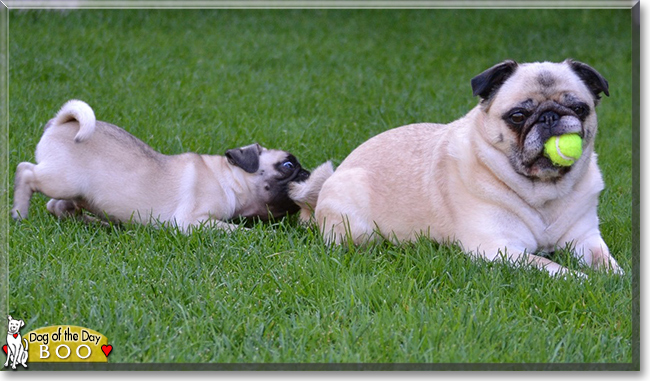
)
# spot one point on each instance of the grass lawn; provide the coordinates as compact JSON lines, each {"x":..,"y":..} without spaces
{"x":316,"y":83}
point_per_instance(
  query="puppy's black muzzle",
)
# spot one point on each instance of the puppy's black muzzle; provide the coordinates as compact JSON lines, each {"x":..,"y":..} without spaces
{"x":280,"y":202}
{"x":301,"y":175}
{"x":298,"y":175}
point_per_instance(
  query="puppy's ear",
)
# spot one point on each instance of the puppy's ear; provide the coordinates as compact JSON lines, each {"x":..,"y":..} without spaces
{"x":9,"y":318}
{"x":594,"y":81}
{"x":489,"y":81}
{"x":246,"y":158}
{"x":22,"y":323}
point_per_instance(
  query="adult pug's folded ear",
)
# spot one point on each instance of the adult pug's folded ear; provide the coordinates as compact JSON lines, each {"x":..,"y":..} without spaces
{"x":246,"y":158}
{"x":489,"y":81}
{"x":594,"y":81}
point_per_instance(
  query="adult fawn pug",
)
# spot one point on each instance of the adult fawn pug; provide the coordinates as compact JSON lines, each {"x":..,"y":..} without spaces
{"x":481,"y":181}
{"x":85,"y":164}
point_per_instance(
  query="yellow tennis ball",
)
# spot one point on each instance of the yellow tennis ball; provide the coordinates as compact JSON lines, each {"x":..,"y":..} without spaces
{"x":563,"y":150}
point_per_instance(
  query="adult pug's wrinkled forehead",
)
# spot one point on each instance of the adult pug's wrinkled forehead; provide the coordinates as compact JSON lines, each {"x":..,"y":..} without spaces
{"x":515,"y":176}
{"x":85,"y":164}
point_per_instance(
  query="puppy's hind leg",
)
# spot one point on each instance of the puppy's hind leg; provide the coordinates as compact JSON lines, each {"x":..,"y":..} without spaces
{"x":69,"y":208}
{"x":24,"y":187}
{"x":63,"y":208}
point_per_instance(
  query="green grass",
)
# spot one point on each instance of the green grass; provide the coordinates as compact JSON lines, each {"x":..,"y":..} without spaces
{"x":316,"y":83}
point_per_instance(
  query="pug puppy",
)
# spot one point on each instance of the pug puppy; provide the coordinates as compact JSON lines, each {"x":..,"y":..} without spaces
{"x":482,"y":181}
{"x":84,"y":164}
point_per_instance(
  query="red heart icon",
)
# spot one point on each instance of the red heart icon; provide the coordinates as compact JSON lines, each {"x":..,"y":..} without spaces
{"x":107,"y":349}
{"x":15,"y":335}
{"x":4,"y":348}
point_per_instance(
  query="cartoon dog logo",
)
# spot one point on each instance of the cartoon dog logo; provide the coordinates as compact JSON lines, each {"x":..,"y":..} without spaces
{"x":14,"y":347}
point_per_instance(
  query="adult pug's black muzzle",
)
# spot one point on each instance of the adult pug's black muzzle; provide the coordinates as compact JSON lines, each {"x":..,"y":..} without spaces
{"x":551,"y":119}
{"x":552,"y":124}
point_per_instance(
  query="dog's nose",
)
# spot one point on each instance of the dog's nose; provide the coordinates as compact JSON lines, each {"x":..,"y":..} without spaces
{"x":549,"y":118}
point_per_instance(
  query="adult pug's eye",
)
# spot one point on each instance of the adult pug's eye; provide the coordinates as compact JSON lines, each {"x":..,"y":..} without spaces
{"x":517,"y":118}
{"x":288,"y":165}
{"x":579,"y":110}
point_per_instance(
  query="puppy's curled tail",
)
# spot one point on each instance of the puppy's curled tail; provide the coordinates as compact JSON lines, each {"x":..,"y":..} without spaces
{"x":305,"y":194}
{"x":26,"y":343}
{"x":79,"y":111}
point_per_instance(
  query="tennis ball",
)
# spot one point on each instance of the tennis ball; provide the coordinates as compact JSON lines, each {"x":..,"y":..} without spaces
{"x":563,"y":150}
